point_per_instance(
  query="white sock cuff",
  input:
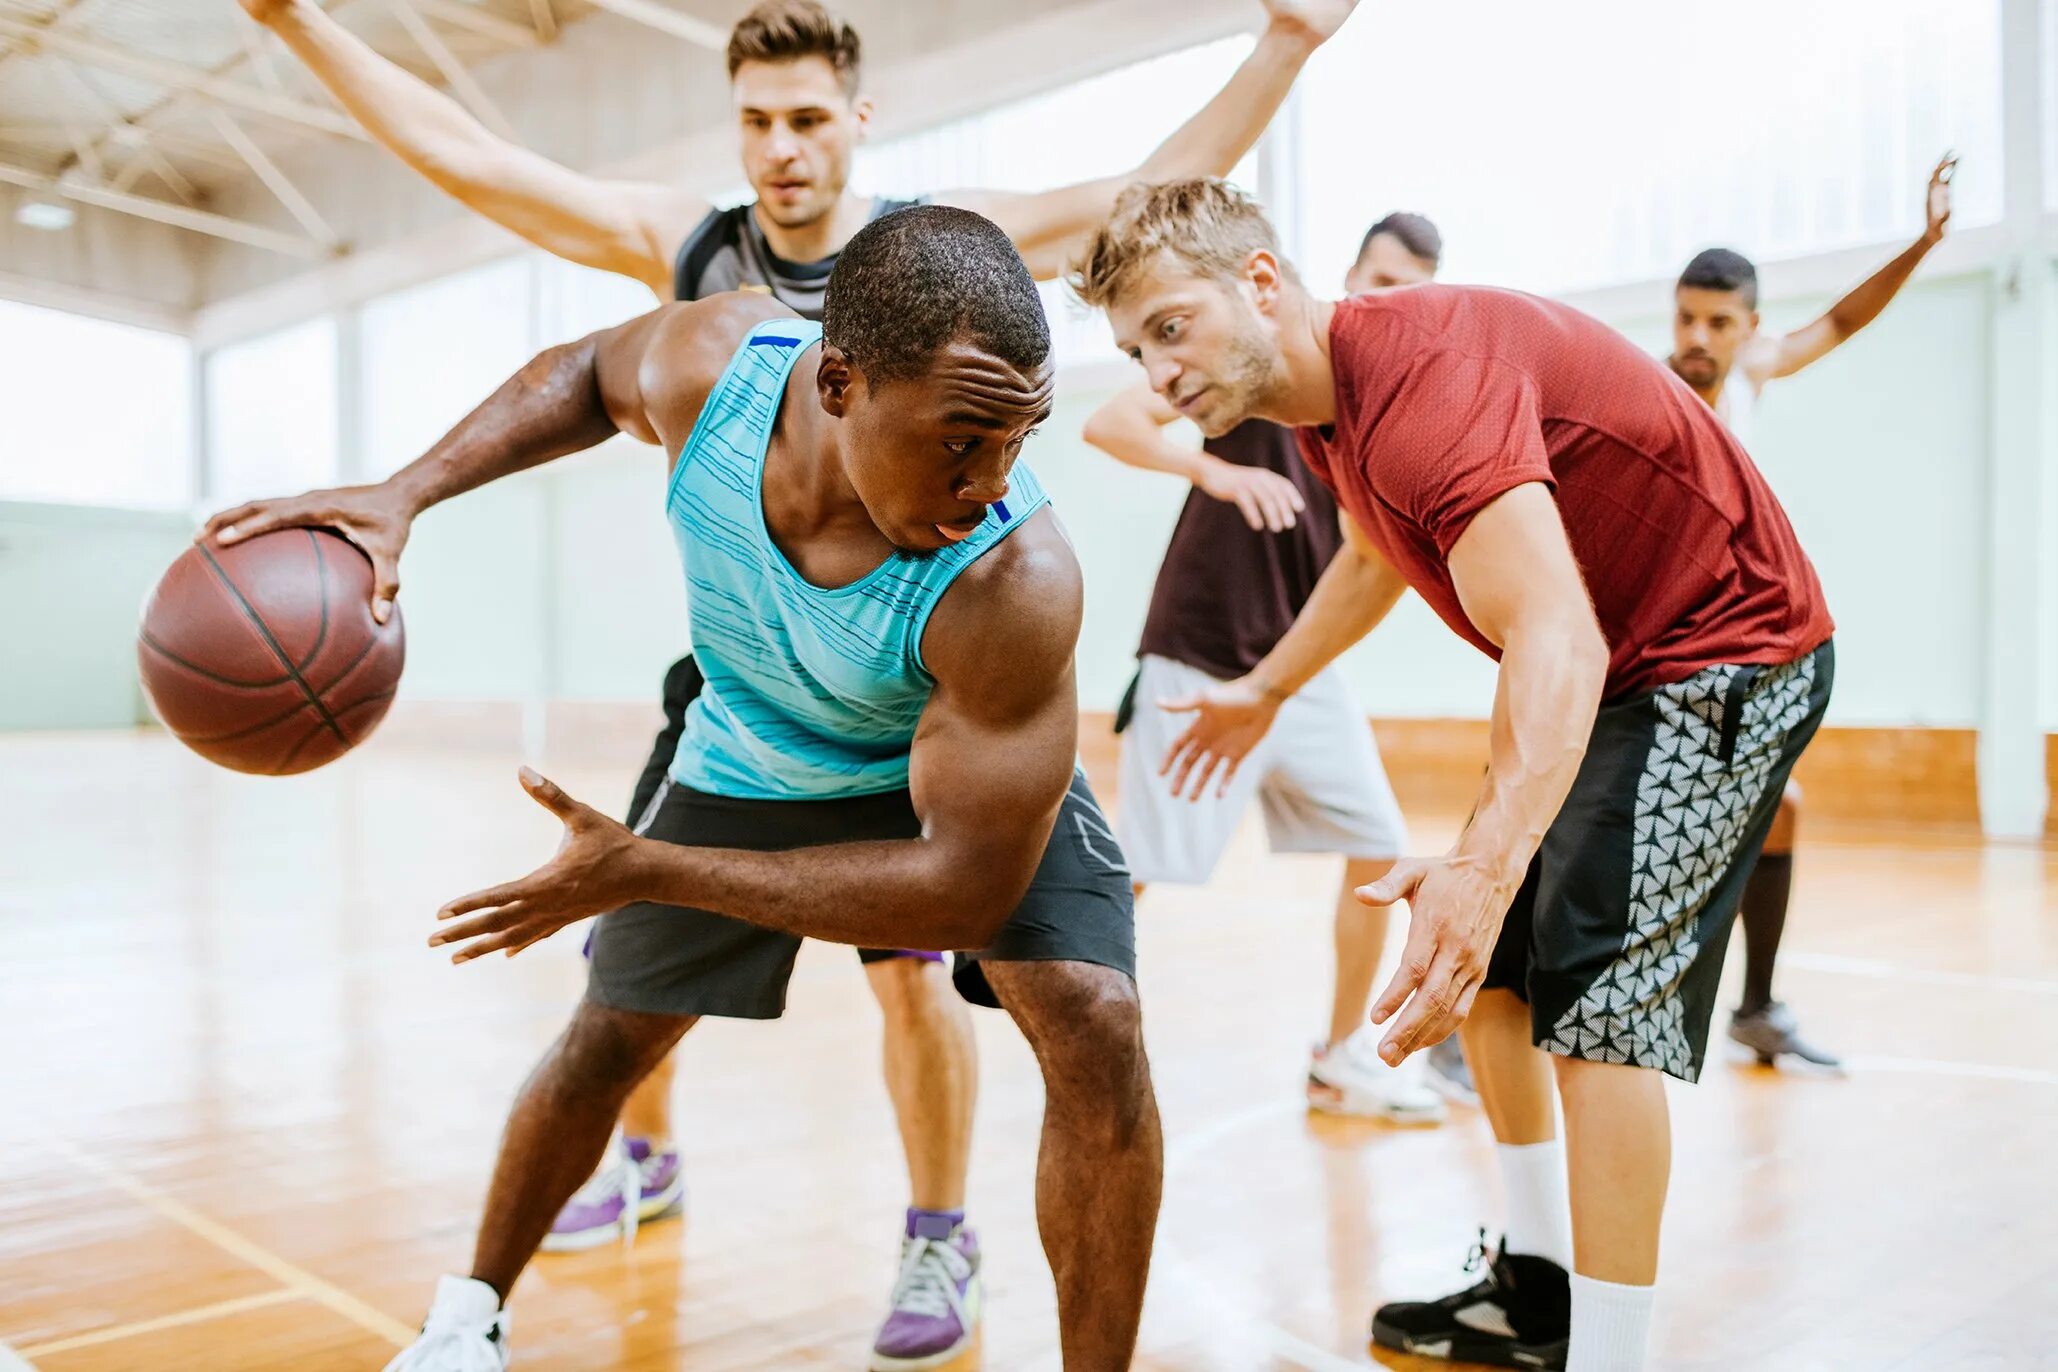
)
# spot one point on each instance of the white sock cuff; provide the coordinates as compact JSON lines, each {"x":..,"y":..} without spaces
{"x":1539,"y":1222}
{"x":1611,"y":1326}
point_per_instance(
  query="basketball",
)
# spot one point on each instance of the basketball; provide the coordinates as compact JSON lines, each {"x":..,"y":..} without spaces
{"x":264,"y":656}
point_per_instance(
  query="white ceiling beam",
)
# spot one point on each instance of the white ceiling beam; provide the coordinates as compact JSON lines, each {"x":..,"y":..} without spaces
{"x":454,"y":74}
{"x":179,"y":77}
{"x":145,"y":154}
{"x":281,"y":185}
{"x":178,"y":216}
{"x":666,"y":20}
{"x":120,"y":309}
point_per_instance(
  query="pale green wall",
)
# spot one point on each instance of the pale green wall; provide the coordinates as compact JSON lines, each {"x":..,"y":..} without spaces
{"x":72,"y":583}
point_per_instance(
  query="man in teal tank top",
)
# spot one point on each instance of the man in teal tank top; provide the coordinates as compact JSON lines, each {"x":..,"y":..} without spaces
{"x":886,"y":614}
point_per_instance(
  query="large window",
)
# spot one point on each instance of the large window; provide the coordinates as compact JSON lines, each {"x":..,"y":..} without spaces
{"x":1569,"y":146}
{"x":96,"y":413}
{"x":434,"y":352}
{"x":271,"y":414}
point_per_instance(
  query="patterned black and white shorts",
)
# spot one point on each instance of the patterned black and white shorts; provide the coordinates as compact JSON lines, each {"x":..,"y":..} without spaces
{"x":1617,"y":935}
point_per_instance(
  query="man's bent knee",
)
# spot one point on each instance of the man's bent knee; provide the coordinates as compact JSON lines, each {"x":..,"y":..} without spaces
{"x":605,"y":1049}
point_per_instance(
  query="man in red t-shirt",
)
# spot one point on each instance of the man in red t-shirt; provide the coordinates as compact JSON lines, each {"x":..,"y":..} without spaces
{"x":1568,"y":506}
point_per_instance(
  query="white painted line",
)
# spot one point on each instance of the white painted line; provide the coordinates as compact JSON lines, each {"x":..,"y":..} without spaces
{"x":197,"y":1315}
{"x":1887,"y":971}
{"x":1978,"y":1071}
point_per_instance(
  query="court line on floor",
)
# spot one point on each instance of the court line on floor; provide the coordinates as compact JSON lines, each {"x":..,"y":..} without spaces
{"x":257,"y":1255}
{"x":1182,"y":1151}
{"x":11,"y":1361}
{"x":1927,"y":1067}
{"x":1887,"y":971}
{"x":199,"y":1314}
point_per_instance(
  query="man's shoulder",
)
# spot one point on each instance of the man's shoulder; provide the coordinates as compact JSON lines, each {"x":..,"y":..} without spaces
{"x":1019,"y":605}
{"x":695,"y":342}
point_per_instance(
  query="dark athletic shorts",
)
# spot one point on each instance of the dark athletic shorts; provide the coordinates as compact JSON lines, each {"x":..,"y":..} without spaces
{"x":670,"y":960}
{"x":682,"y":684}
{"x":1617,"y":935}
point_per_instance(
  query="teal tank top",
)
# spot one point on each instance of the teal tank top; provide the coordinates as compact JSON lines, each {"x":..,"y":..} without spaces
{"x":811,"y":692}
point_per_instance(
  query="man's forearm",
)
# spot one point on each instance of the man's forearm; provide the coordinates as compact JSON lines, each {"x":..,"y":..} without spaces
{"x":901,"y":893}
{"x":1544,"y":707}
{"x":1353,"y":595}
{"x":548,"y":409}
{"x":1872,"y":295}
{"x":1216,"y":138}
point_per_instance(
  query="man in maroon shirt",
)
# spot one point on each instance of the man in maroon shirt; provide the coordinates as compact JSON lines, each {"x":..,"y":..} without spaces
{"x":1568,"y":506}
{"x":1250,"y":544}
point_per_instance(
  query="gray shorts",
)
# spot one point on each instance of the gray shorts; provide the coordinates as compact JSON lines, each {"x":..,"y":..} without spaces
{"x":671,"y":960}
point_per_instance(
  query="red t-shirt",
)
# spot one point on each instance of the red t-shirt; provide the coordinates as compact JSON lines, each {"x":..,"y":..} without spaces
{"x":1449,"y":396}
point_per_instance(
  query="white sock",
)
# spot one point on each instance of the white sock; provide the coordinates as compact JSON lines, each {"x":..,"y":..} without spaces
{"x":1539,"y":1204}
{"x":1611,"y":1326}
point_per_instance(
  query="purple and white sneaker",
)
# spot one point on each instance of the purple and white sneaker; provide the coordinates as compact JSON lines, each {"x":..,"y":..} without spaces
{"x":937,"y":1298}
{"x":633,"y":1184}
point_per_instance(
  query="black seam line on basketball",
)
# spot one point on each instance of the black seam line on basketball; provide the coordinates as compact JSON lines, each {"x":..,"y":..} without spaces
{"x":321,"y":571}
{"x":355,"y":662}
{"x":279,"y":767}
{"x":257,"y":622}
{"x":198,"y":670}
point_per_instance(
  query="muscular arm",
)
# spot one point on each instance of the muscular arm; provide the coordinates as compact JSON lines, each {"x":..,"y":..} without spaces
{"x":624,"y":227}
{"x":1049,"y":226}
{"x":992,"y":758}
{"x":646,"y":378}
{"x":1516,"y":578}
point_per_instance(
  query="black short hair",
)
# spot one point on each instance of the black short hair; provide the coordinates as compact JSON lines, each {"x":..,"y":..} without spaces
{"x":1719,"y":269}
{"x":1416,"y":232}
{"x":911,"y":281}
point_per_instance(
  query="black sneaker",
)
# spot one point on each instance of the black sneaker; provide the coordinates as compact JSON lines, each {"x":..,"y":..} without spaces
{"x":1519,"y":1316}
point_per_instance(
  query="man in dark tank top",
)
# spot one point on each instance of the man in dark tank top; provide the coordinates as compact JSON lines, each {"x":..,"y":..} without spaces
{"x":1253,"y":538}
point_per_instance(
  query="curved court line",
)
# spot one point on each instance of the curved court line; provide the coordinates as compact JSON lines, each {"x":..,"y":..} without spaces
{"x":1287,"y":1347}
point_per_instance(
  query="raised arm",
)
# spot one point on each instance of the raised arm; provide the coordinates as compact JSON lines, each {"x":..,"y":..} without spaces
{"x":642,"y":378}
{"x":1516,"y":578}
{"x":1355,"y":592}
{"x":1862,"y":305}
{"x":1130,"y":428}
{"x":1050,"y":225}
{"x":629,"y":228}
{"x":991,"y":762}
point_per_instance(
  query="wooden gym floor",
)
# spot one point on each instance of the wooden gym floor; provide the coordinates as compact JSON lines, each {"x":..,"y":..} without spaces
{"x":246,"y":1116}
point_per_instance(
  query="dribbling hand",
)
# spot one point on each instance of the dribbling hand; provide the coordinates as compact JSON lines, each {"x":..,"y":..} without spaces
{"x":372,"y":517}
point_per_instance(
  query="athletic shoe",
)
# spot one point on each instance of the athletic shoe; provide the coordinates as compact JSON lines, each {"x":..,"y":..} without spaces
{"x":633,"y":1184}
{"x":937,"y":1302}
{"x":1520,"y":1315}
{"x":1350,"y":1079}
{"x":1772,"y":1031}
{"x":466,"y":1332}
{"x":1450,"y":1076}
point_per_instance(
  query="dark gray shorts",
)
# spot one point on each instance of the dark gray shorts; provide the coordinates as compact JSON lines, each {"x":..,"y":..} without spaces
{"x":671,"y":960}
{"x":1617,"y":935}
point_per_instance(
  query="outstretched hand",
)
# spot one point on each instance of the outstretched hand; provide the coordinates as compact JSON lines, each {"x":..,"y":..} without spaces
{"x":1937,"y":200}
{"x":1454,"y":917}
{"x":1229,"y":720}
{"x":595,"y":870}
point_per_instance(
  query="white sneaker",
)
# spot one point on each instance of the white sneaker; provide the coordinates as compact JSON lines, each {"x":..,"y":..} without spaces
{"x":1350,"y":1079}
{"x":466,"y":1332}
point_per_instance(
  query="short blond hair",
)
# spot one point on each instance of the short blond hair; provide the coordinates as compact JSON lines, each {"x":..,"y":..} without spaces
{"x":1203,"y":224}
